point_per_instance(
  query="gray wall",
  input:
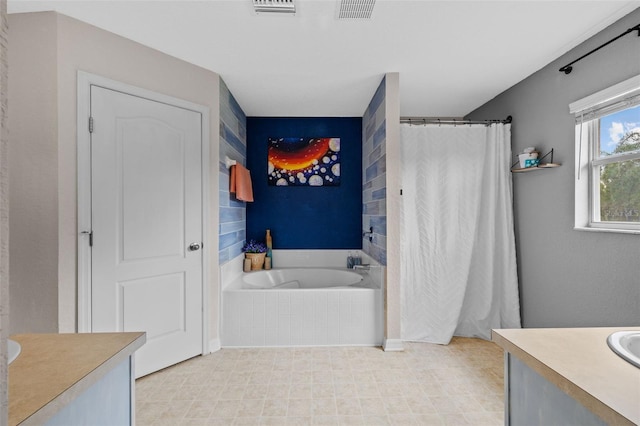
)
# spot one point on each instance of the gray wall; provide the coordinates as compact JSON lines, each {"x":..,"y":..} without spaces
{"x":33,"y":181}
{"x":4,"y":222}
{"x":47,"y":50}
{"x":568,"y":278}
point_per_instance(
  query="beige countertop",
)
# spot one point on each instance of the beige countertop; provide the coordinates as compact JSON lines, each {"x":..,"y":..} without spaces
{"x":579,"y":362}
{"x":53,"y":369}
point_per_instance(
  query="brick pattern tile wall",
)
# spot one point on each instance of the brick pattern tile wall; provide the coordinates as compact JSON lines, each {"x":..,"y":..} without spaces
{"x":233,"y":144}
{"x":374,"y":166}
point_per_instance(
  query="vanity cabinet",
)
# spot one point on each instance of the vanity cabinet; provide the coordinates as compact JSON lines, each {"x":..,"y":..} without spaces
{"x":562,"y":376}
{"x":74,"y":379}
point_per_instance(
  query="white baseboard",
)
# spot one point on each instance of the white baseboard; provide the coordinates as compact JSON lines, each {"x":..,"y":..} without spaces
{"x":392,"y":345}
{"x":214,"y":345}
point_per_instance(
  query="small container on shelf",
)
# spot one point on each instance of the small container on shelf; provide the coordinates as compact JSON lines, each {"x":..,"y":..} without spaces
{"x":528,"y":164}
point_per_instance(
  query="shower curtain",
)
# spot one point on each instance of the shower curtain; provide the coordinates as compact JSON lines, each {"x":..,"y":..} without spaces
{"x":458,"y":258}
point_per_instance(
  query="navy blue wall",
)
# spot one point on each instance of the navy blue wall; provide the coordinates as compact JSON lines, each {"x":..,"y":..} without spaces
{"x":304,"y":217}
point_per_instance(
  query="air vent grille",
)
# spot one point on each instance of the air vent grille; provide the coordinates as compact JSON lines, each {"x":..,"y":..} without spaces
{"x":274,"y":6}
{"x":355,"y":9}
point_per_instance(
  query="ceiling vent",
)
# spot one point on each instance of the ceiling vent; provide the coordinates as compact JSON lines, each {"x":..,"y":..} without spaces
{"x":355,"y":9}
{"x":274,"y":6}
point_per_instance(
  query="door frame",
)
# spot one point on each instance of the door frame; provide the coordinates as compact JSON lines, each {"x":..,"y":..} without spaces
{"x":85,"y":80}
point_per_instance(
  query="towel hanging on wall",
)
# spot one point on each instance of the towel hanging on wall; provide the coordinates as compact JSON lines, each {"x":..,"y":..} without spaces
{"x":240,"y":183}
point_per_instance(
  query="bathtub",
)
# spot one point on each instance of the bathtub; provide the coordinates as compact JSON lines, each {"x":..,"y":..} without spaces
{"x":305,"y":278}
{"x":303,"y":307}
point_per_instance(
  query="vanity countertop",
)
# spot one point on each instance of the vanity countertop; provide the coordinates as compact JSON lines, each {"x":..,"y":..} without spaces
{"x":579,"y":362}
{"x":53,"y":369}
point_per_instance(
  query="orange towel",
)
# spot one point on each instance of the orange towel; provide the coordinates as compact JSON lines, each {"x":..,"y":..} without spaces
{"x":240,"y":183}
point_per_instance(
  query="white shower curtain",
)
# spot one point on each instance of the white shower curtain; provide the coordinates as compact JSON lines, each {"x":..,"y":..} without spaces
{"x":458,"y":247}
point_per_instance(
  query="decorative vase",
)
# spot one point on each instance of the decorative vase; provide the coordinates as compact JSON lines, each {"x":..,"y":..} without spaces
{"x":257,"y":260}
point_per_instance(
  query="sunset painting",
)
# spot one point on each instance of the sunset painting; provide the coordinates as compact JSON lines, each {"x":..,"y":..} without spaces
{"x":304,"y":162}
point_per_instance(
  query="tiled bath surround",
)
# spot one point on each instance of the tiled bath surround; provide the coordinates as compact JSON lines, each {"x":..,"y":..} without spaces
{"x":303,"y":317}
{"x":374,"y":167}
{"x":233,"y":144}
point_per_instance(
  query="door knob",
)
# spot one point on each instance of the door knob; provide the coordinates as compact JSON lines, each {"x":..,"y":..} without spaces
{"x":194,"y":246}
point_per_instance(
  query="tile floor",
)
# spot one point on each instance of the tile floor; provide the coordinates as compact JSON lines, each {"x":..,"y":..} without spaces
{"x":427,"y":384}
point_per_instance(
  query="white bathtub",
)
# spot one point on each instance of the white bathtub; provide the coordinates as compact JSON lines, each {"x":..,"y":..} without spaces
{"x":303,"y":307}
{"x":305,"y":278}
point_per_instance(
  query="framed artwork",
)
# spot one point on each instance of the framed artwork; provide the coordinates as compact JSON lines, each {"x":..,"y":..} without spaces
{"x":304,"y":162}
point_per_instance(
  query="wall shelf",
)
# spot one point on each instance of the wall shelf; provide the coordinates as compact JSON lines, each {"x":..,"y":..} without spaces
{"x":538,"y":167}
{"x":541,"y":166}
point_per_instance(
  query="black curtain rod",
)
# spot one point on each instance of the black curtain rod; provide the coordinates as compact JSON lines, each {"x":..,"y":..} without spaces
{"x":568,"y":68}
{"x":416,"y":120}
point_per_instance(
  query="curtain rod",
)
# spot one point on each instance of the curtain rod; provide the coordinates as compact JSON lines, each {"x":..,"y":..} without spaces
{"x":568,"y":68}
{"x":451,"y":121}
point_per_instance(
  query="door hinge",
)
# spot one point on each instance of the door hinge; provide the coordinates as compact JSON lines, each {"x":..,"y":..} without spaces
{"x":90,"y":234}
{"x":90,"y":124}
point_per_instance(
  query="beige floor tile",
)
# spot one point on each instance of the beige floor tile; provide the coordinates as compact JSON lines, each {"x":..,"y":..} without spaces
{"x":188,"y":393}
{"x":226,"y":409}
{"x":302,"y":377}
{"x":299,"y":407}
{"x":372,"y":406}
{"x":299,"y":421}
{"x":322,"y":376}
{"x":322,"y":391}
{"x":273,"y":421}
{"x":485,"y":418}
{"x":455,"y":419}
{"x":323,"y":407}
{"x":280,"y":377}
{"x":429,"y":419}
{"x":350,"y":420}
{"x":348,"y":407}
{"x":457,"y":384}
{"x":256,"y":392}
{"x":194,"y":422}
{"x":402,"y":419}
{"x":211,"y":393}
{"x":200,"y":410}
{"x":232,"y":391}
{"x":395,"y":405}
{"x":381,"y":420}
{"x":420,"y":405}
{"x":250,"y":408}
{"x":300,"y":391}
{"x":278,"y":391}
{"x":392,"y":390}
{"x":325,"y":420}
{"x":342,"y":376}
{"x":246,"y":421}
{"x":260,"y":378}
{"x":367,"y":390}
{"x":220,"y":421}
{"x":274,"y":407}
{"x":346,"y":390}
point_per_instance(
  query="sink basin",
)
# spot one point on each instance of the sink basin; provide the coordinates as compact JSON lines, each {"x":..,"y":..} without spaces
{"x":627,"y":345}
{"x":13,"y":350}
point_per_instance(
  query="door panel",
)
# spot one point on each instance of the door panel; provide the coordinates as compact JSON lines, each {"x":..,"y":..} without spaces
{"x":152,"y":161}
{"x":155,"y":304}
{"x":146,"y":210}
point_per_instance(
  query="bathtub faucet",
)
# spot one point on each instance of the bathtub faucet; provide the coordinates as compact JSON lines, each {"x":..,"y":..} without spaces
{"x":368,"y":234}
{"x":364,"y":267}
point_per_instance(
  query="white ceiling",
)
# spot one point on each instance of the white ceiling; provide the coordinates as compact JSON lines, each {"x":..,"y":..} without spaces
{"x":452,"y":56}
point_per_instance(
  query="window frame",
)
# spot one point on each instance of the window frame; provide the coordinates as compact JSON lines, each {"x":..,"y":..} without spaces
{"x":588,"y":112}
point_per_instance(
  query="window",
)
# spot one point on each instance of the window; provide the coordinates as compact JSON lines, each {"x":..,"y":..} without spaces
{"x":608,"y":159}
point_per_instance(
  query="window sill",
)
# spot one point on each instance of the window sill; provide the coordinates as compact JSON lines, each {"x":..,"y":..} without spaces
{"x":611,"y":230}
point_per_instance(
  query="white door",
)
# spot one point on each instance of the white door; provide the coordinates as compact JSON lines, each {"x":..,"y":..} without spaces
{"x":146,"y":211}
